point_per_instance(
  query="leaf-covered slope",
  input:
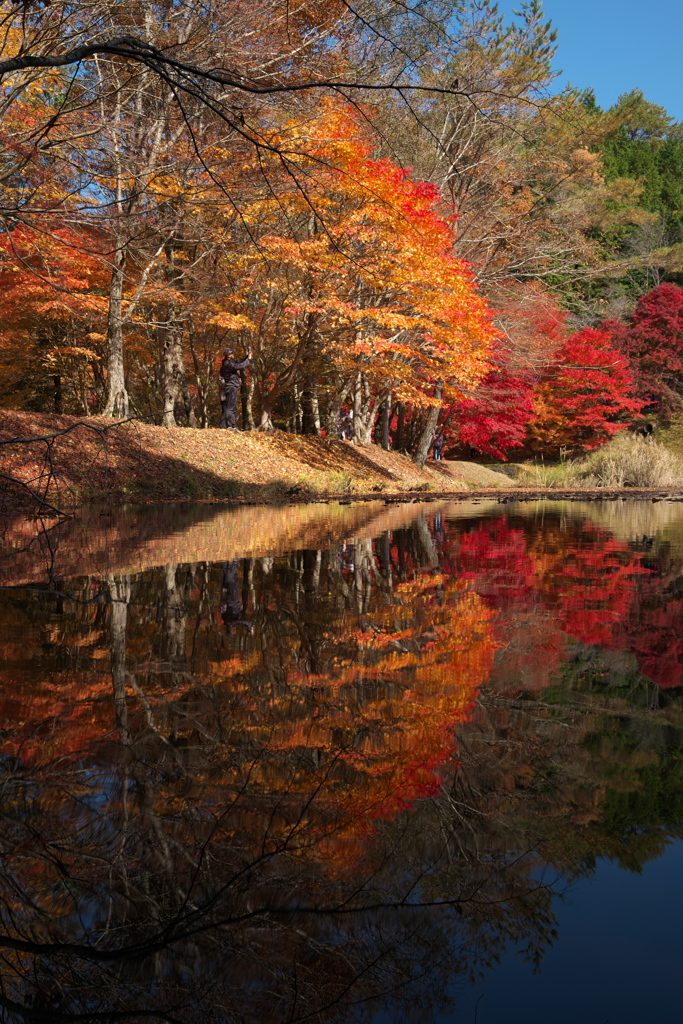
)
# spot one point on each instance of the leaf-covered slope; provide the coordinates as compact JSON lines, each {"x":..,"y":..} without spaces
{"x":137,"y":461}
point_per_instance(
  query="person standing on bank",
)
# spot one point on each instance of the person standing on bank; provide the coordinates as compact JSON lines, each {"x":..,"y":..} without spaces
{"x":228,"y":386}
{"x":438,"y":443}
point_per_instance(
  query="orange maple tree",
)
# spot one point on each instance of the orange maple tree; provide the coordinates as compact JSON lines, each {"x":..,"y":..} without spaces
{"x":53,"y":312}
{"x":364,"y":291}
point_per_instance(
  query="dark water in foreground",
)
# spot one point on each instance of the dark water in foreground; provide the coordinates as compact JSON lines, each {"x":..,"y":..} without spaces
{"x":343,"y":763}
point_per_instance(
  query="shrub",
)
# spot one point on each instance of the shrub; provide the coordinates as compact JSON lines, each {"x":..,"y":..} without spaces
{"x":628,"y":461}
{"x":340,"y":482}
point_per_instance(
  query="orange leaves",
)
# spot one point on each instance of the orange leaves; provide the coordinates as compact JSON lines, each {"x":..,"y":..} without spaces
{"x":51,"y":286}
{"x":49,"y":274}
{"x":367,"y":274}
{"x":424,"y":677}
{"x":231,"y":322}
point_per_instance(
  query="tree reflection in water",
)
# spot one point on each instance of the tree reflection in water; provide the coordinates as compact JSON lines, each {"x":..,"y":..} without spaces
{"x":303,"y":787}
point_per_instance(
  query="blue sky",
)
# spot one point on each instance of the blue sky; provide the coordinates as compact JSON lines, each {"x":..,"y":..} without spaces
{"x":619,"y":45}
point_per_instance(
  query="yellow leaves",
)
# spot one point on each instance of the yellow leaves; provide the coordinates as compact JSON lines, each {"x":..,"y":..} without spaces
{"x":70,"y":350}
{"x":29,"y":83}
{"x":232,"y":322}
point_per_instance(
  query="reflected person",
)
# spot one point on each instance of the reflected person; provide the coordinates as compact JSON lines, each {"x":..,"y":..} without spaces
{"x":232,"y":609}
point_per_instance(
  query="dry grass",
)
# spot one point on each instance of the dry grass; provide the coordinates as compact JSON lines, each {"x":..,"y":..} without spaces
{"x":546,"y":475}
{"x":628,"y":461}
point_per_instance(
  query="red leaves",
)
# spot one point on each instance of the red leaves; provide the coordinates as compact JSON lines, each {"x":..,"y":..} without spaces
{"x":653,"y":341}
{"x":586,"y":396}
{"x":494,"y":419}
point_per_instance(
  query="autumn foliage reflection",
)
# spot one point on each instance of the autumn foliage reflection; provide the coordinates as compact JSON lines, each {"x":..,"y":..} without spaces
{"x":203,"y":745}
{"x":582,"y":585}
{"x":206,"y":765}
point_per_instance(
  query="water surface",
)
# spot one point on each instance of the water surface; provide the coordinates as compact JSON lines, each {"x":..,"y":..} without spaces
{"x":343,"y":762}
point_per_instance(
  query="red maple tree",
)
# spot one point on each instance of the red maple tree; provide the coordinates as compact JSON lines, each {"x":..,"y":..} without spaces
{"x":494,"y":418}
{"x":586,"y":396}
{"x":653,"y":341}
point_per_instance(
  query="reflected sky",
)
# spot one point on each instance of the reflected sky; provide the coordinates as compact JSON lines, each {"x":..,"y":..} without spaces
{"x":328,"y":762}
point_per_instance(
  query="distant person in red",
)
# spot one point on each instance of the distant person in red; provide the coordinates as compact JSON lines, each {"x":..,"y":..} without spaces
{"x":229,"y":382}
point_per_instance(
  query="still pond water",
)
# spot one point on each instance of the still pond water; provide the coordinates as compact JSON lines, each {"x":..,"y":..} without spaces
{"x":343,"y":763}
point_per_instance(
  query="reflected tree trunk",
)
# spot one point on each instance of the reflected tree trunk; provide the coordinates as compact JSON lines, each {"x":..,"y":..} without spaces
{"x":427,"y":541}
{"x":312,"y":564}
{"x":364,"y":575}
{"x":383,"y":545}
{"x":119,"y":595}
{"x":175,"y":620}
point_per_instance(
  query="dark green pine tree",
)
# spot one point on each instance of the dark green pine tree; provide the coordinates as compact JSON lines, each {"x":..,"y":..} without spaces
{"x":648,"y":146}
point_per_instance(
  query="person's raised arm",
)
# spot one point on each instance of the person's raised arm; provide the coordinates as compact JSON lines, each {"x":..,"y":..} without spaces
{"x":243,"y":363}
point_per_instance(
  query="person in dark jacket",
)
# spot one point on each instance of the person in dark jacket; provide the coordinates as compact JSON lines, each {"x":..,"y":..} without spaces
{"x":229,"y":382}
{"x":438,"y":442}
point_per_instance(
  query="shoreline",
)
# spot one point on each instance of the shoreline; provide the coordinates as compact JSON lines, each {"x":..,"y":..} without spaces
{"x":74,"y":464}
{"x":105,"y":543}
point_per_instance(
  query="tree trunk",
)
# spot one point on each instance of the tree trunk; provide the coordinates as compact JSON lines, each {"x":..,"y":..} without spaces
{"x":57,"y":382}
{"x":175,"y":392}
{"x":357,"y":406}
{"x":334,"y":411}
{"x":203,"y":402}
{"x":365,"y":410}
{"x":244,"y":397}
{"x":117,"y":405}
{"x":250,"y":399}
{"x":298,"y":417}
{"x":168,"y":381}
{"x":386,"y":419}
{"x":266,"y":413}
{"x":428,"y":432}
{"x":311,"y":410}
{"x":202,"y":389}
{"x":400,"y":439}
{"x":185,"y":396}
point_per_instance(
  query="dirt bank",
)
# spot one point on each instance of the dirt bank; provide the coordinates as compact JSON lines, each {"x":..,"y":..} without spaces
{"x":94,"y":461}
{"x":70,"y":462}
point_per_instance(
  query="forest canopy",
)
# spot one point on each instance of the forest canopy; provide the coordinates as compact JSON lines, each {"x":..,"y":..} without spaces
{"x":392,"y":207}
